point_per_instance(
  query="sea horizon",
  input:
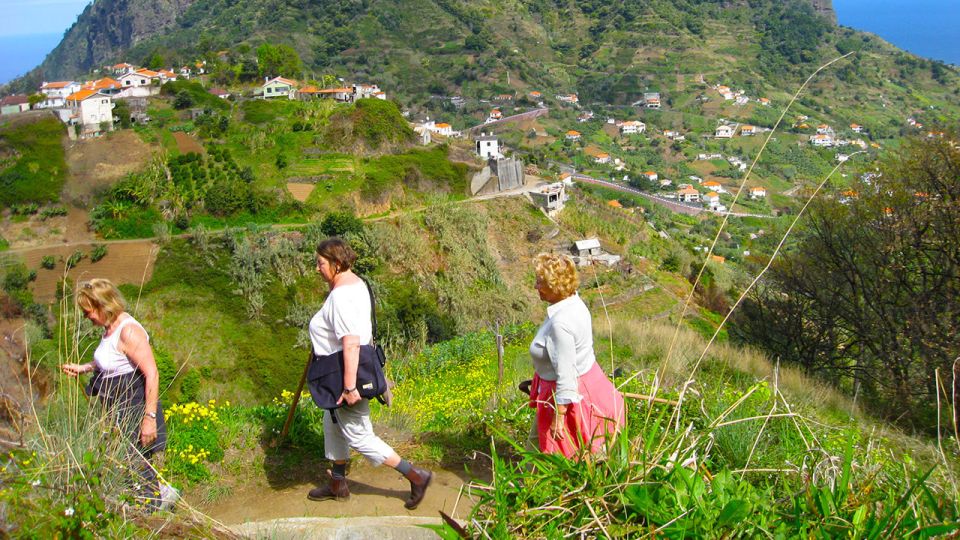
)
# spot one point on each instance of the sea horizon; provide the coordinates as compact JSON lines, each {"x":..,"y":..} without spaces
{"x":926,"y":28}
{"x":30,"y":52}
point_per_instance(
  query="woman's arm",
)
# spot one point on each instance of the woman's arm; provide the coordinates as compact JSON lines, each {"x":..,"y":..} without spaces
{"x":134,"y":344}
{"x":74,"y":370}
{"x":351,"y":359}
{"x":562,"y":351}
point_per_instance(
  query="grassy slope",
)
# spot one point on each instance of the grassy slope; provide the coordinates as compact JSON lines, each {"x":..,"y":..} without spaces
{"x":39,"y":169}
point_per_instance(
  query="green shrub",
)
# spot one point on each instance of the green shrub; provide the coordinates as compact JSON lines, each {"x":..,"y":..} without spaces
{"x":53,"y":211}
{"x":48,"y":262}
{"x":190,"y":386}
{"x":98,"y":252}
{"x":193,"y":440}
{"x":74,"y":259}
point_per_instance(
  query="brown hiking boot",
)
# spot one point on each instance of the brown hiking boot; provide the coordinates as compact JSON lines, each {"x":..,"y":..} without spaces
{"x":419,"y":481}
{"x":336,"y":489}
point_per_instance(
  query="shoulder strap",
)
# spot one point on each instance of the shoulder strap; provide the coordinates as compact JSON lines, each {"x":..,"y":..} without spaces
{"x":373,"y":310}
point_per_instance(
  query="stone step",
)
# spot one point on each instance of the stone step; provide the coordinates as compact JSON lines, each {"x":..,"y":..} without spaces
{"x":352,"y":528}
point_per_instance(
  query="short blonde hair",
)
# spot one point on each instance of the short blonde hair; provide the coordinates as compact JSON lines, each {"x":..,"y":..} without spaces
{"x":101,"y":295}
{"x":558,"y":272}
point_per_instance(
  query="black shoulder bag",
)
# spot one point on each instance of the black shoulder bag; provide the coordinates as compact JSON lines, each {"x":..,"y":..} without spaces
{"x":325,"y":374}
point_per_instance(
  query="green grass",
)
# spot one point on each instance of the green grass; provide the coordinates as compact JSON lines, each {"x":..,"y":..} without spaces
{"x":38,"y":174}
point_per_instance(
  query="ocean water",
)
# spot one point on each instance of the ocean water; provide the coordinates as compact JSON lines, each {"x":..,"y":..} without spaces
{"x":23,"y":53}
{"x":928,"y":28}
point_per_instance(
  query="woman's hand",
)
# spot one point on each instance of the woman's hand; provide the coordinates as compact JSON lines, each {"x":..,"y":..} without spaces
{"x":557,"y":430}
{"x":75,"y":370}
{"x":148,"y":431}
{"x":352,"y":397}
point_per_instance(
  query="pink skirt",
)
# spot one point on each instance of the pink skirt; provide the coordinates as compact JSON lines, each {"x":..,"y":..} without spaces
{"x":599,"y":414}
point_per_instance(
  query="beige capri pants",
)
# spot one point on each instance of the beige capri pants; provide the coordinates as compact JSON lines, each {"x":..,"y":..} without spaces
{"x":353,"y":429}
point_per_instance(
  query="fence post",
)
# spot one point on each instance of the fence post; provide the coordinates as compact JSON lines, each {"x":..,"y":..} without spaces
{"x":499,"y":356}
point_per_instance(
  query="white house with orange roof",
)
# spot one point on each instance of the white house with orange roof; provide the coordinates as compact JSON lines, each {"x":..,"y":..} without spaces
{"x":601,"y":158}
{"x":105,"y":85}
{"x":856,"y":128}
{"x":631,"y":127}
{"x":443,"y":128}
{"x":121,"y":69}
{"x":54,"y":93}
{"x":141,"y":77}
{"x":279,"y":87}
{"x":688,"y":194}
{"x":573,"y":135}
{"x":748,"y":130}
{"x":651,"y":176}
{"x":495,"y":115}
{"x":757,"y":192}
{"x":167,"y":75}
{"x":713,"y":185}
{"x":764,"y":101}
{"x":91,"y":110}
{"x":568,"y":98}
{"x":723,"y":132}
{"x":822,"y":140}
{"x":712,"y":200}
{"x":824,"y":129}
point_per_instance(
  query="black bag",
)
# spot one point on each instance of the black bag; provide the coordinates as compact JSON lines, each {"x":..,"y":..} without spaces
{"x":325,"y":374}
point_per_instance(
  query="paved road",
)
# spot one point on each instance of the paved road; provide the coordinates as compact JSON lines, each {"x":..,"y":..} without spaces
{"x":673,"y":205}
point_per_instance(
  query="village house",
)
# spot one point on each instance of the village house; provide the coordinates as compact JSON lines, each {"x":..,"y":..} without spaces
{"x":495,"y":115}
{"x":748,"y":131}
{"x":443,"y":128}
{"x":757,"y":192}
{"x":688,"y":193}
{"x":568,"y":98}
{"x":585,"y":117}
{"x":278,"y":87}
{"x":724,"y":132}
{"x":713,"y":185}
{"x":631,"y":127}
{"x":167,"y":75}
{"x":589,"y":246}
{"x":365,"y":91}
{"x":705,"y":157}
{"x":589,"y":251}
{"x":341,"y":95}
{"x":573,"y":135}
{"x":726,"y":92}
{"x":764,"y":101}
{"x":535,"y":95}
{"x":121,"y":69}
{"x":719,"y":259}
{"x":488,"y":146}
{"x":824,"y":129}
{"x":55,"y":93}
{"x":823,"y":141}
{"x":666,"y":182}
{"x":186,"y":72}
{"x":503,"y":97}
{"x":614,"y":203}
{"x":14,"y":104}
{"x":105,"y":85}
{"x":602,"y":158}
{"x":308,"y":93}
{"x":566,"y":178}
{"x":220,"y":93}
{"x":856,"y":128}
{"x":651,"y":100}
{"x":674,"y":135}
{"x":92,"y":111}
{"x":140,"y":77}
{"x":711,"y":199}
{"x":742,"y":100}
{"x":651,"y":176}
{"x":550,"y":198}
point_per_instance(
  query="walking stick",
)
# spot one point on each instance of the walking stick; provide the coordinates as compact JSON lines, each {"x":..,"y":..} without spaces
{"x":296,"y":400}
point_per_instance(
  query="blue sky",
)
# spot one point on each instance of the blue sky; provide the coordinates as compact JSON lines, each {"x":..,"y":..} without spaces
{"x":31,"y":17}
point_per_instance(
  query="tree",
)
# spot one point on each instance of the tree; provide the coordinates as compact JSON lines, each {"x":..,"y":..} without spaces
{"x":278,"y":61}
{"x":156,"y":61}
{"x":870,"y":299}
{"x":340,"y":224}
{"x":183,"y":100}
{"x":122,"y":112}
{"x":35,"y":99}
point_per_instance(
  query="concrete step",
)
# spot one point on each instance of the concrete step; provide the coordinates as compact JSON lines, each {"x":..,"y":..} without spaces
{"x":352,"y":528}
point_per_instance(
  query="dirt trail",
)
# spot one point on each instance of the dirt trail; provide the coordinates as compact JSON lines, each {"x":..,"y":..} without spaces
{"x":374,"y":491}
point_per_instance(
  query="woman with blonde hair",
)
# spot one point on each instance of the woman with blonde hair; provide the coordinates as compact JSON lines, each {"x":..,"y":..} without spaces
{"x":126,"y":381}
{"x":577,"y":405}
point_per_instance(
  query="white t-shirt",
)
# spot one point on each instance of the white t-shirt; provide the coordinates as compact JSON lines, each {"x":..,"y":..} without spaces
{"x":345,"y":312}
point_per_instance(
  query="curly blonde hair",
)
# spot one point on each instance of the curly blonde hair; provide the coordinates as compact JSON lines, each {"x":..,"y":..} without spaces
{"x":101,"y":295}
{"x":558,"y":272}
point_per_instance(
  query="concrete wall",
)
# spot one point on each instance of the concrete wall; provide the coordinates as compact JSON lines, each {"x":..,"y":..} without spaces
{"x":509,"y":172}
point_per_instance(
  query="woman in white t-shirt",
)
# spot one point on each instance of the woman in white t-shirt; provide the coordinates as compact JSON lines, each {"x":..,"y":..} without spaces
{"x":343,"y":323}
{"x":125,"y":381}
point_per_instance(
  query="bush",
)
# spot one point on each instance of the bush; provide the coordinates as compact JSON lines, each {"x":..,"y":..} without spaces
{"x":40,"y":170}
{"x":48,"y":262}
{"x":53,"y":211}
{"x":98,"y":252}
{"x":74,"y":259}
{"x":190,"y":386}
{"x":193,"y":439}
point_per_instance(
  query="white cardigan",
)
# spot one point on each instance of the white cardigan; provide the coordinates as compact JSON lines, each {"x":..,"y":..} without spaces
{"x":562,"y":350}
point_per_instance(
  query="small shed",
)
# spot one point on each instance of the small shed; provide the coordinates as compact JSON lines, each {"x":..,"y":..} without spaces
{"x":589,"y":246}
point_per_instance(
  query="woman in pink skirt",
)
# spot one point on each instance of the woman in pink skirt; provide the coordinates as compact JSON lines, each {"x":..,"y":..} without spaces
{"x":577,"y":405}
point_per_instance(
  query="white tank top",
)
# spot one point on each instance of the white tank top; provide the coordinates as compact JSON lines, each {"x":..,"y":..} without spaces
{"x":108,"y":357}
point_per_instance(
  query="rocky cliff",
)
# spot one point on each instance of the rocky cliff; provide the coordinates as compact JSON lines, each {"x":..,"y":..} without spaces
{"x":105,"y":30}
{"x":825,"y":8}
